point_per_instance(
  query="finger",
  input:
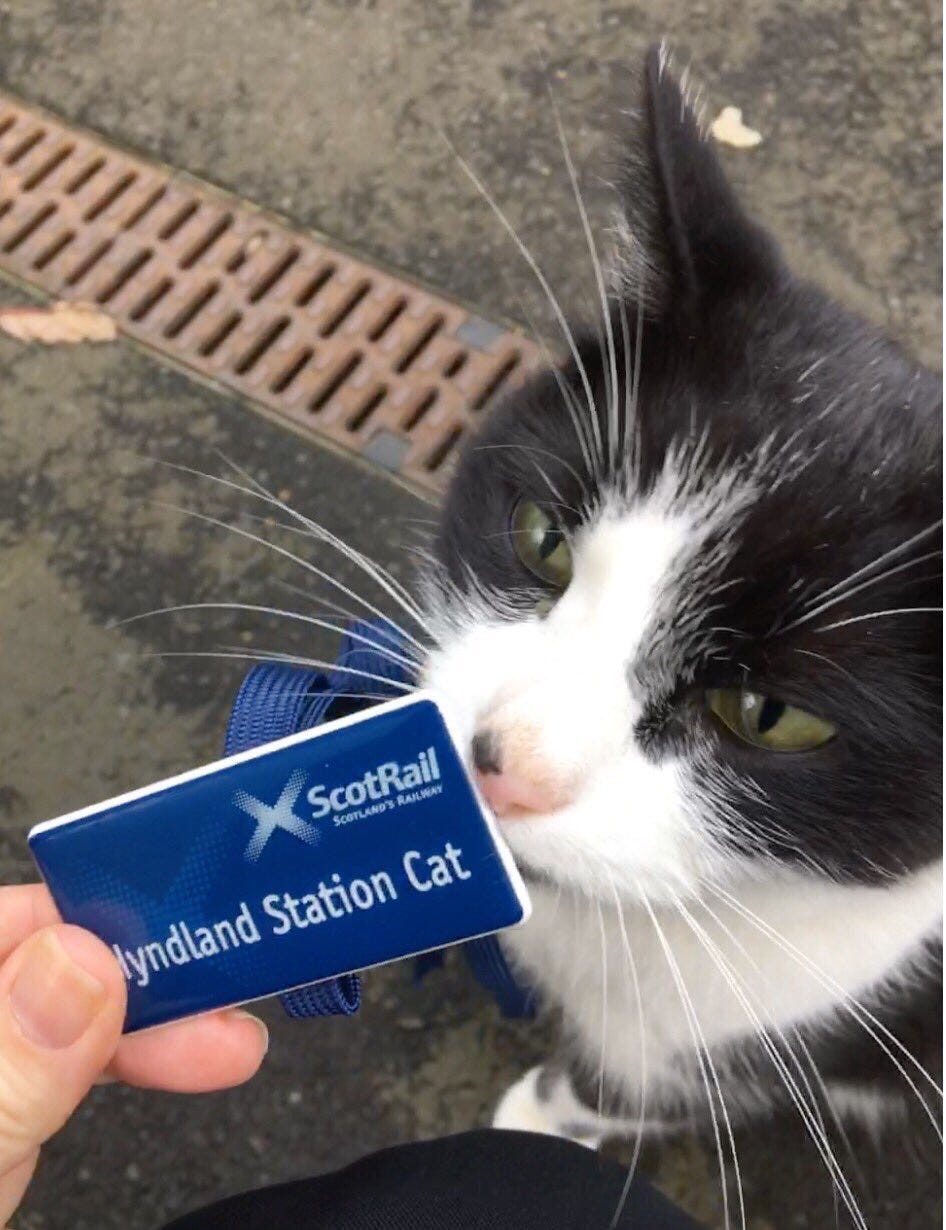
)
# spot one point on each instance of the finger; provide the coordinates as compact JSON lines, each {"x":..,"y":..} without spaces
{"x":62,"y":1003}
{"x":207,"y":1052}
{"x":24,"y":908}
{"x":14,"y":1183}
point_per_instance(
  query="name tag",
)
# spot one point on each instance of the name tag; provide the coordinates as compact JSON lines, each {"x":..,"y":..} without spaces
{"x":326,"y":852}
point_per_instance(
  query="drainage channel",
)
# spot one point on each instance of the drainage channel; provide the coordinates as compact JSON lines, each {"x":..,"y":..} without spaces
{"x":337,"y":347}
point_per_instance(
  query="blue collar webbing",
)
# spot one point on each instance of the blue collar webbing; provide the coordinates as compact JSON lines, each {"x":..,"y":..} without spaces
{"x":278,"y":699}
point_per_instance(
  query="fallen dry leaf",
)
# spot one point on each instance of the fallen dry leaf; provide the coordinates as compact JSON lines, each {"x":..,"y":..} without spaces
{"x":61,"y":324}
{"x":729,"y":129}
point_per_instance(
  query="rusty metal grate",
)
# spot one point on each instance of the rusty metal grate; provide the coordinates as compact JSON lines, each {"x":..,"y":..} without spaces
{"x":337,"y":347}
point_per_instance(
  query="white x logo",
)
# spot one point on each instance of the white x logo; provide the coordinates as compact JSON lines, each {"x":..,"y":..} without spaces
{"x":279,"y":816}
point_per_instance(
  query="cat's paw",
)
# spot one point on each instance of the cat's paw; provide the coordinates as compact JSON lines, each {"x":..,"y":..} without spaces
{"x":531,"y":1105}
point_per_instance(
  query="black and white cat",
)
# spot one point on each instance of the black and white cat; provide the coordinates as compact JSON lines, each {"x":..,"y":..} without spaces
{"x":687,"y":598}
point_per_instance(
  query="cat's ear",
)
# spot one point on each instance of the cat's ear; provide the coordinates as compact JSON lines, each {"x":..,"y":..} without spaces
{"x":683,"y":239}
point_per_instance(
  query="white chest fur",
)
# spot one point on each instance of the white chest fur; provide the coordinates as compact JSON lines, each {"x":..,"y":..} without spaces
{"x":816,"y":947}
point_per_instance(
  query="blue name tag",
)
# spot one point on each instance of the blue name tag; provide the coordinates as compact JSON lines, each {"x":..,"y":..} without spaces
{"x":326,"y":852}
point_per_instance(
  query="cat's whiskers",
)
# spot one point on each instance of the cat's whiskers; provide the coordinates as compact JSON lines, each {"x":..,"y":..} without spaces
{"x":604,"y":1009}
{"x":707,"y":1069}
{"x":836,"y":1123}
{"x":537,"y":272}
{"x":883,"y":576}
{"x":624,"y":435}
{"x":377,"y":572}
{"x":383,"y":650}
{"x":271,"y":523}
{"x":642,"y":1074}
{"x":329,"y":604}
{"x":890,"y":554}
{"x":582,"y":434}
{"x":862,"y":1015}
{"x":374,"y":571}
{"x":306,"y":565}
{"x":816,"y":1111}
{"x":531,"y":448}
{"x":847,"y":594}
{"x":804,"y":1109}
{"x":611,"y":355}
{"x":829,"y":1103}
{"x":267,"y":655}
{"x":773,"y":1024}
{"x":900,"y":610}
{"x":428,"y":521}
{"x":873,"y":696}
{"x":634,"y":416}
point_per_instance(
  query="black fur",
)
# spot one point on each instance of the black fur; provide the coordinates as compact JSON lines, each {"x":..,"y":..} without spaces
{"x":737,"y":350}
{"x":726,"y":346}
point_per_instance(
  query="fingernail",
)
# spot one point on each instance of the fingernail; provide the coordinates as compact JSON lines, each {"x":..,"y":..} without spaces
{"x":260,"y":1025}
{"x":53,"y":998}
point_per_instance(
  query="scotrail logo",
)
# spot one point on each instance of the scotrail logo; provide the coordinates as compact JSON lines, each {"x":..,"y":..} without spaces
{"x":380,"y":789}
{"x":377,"y":786}
{"x":279,"y":815}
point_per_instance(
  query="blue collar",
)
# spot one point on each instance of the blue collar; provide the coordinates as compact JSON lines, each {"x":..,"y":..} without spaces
{"x":276,"y":699}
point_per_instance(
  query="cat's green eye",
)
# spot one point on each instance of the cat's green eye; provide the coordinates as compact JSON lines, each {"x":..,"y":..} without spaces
{"x":540,"y":543}
{"x":769,"y":723}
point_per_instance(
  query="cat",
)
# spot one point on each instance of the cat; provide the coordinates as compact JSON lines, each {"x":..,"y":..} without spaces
{"x":686,"y":597}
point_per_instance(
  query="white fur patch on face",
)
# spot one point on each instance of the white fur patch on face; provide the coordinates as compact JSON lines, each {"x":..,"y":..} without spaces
{"x":558,"y":695}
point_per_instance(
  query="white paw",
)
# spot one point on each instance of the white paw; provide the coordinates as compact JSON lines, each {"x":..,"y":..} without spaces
{"x":521,"y":1110}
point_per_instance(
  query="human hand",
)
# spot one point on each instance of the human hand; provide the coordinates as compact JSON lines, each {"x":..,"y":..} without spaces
{"x":62,"y":1003}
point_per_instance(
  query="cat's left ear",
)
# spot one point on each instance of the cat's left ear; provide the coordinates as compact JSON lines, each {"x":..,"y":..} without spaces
{"x":684,"y":240}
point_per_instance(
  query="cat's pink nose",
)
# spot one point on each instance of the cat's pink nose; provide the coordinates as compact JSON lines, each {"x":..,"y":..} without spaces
{"x":509,"y":792}
{"x":510,"y":796}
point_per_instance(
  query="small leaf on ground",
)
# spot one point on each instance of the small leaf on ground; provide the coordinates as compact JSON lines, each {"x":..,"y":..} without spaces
{"x":61,"y":324}
{"x":729,"y":129}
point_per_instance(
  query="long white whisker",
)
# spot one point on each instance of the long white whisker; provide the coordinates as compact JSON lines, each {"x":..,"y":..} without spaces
{"x":729,"y":972}
{"x":626,"y":348}
{"x":387,"y":583}
{"x":382,"y":576}
{"x":639,"y":1138}
{"x":533,"y":265}
{"x":337,"y":607}
{"x":703,"y":1059}
{"x":808,"y":1118}
{"x":582,"y":435}
{"x":881,"y":559}
{"x":303,"y":532}
{"x":638,"y":443}
{"x":531,"y":448}
{"x":379,"y":574}
{"x":827,"y":1100}
{"x":384,"y":650}
{"x":858,"y":619}
{"x":863,"y":1016}
{"x":279,"y":656}
{"x":599,"y":279}
{"x":604,"y":1009}
{"x":296,"y":559}
{"x":856,"y":589}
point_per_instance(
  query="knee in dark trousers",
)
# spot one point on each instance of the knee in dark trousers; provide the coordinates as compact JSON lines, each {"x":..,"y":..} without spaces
{"x":483,"y":1180}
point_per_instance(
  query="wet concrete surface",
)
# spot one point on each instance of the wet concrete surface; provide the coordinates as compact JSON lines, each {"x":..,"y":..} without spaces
{"x":328,"y":113}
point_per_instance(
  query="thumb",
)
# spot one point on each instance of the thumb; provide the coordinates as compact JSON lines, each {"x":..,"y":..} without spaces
{"x":62,"y":1004}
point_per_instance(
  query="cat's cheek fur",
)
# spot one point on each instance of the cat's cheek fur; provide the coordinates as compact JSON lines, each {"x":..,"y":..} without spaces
{"x":634,"y":826}
{"x":630,"y":833}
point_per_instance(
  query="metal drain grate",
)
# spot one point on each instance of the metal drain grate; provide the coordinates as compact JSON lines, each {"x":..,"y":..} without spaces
{"x":338,"y":347}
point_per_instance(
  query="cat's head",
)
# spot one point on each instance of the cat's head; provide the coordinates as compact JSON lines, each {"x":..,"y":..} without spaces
{"x":688,"y":582}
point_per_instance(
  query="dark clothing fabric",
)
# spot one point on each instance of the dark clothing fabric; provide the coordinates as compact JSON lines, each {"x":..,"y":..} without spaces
{"x":484,"y":1180}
